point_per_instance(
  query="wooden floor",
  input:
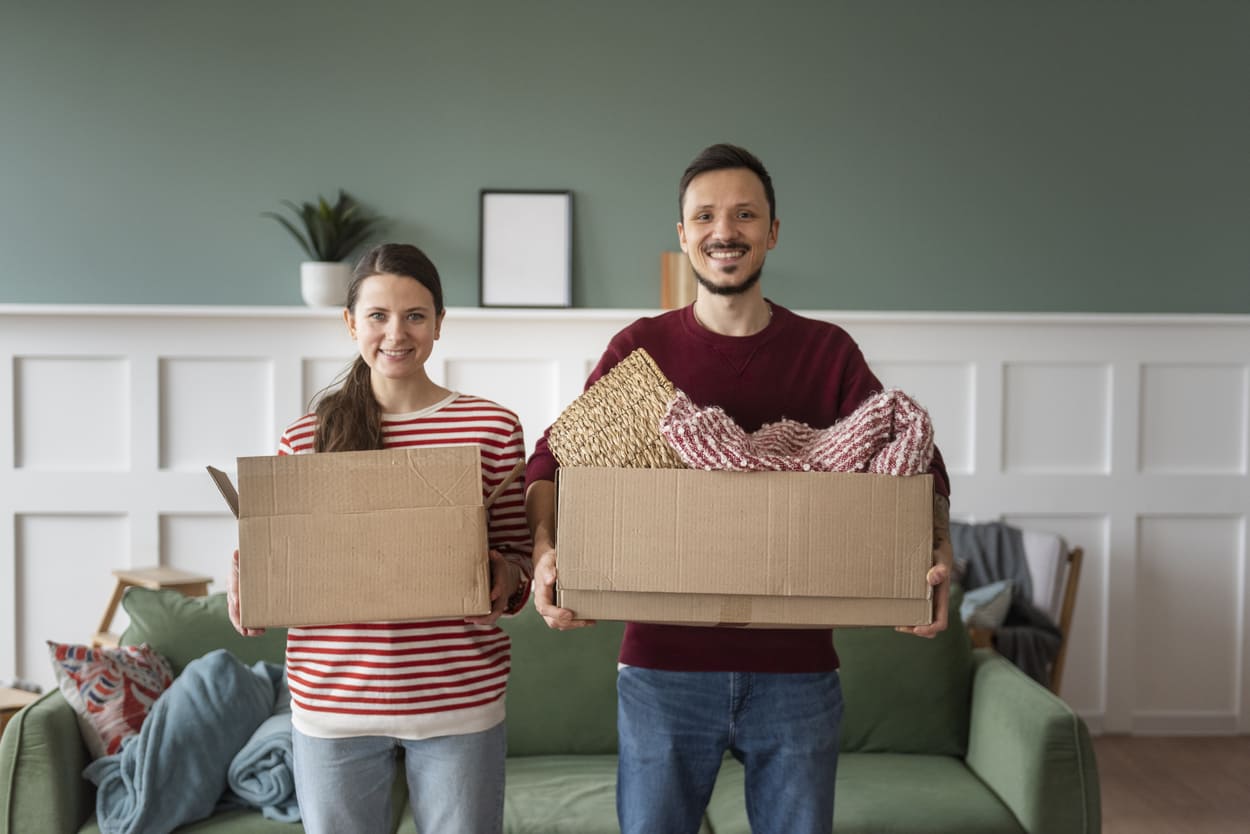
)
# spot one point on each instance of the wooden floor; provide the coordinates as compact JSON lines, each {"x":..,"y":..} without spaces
{"x":1174,"y":785}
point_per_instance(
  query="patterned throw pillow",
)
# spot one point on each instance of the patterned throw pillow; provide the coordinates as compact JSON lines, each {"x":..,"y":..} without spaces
{"x":111,"y":690}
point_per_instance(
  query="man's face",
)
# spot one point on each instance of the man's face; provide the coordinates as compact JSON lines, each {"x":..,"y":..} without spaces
{"x":725,"y":229}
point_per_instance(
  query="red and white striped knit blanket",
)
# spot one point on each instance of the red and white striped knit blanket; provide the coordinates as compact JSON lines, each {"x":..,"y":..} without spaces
{"x":889,"y":434}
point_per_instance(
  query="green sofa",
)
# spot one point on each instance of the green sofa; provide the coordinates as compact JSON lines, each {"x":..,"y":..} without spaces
{"x":937,"y":738}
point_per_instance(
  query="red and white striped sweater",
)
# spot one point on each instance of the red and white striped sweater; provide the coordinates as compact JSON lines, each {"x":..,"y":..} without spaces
{"x":423,"y":678}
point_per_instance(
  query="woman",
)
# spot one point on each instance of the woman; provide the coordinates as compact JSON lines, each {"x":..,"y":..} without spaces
{"x":360,"y":693}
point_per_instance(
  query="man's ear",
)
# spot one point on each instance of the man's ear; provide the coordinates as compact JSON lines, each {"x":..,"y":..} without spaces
{"x":681,"y":236}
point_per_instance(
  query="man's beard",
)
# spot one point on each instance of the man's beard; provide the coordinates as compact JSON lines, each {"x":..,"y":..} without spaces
{"x":732,"y":289}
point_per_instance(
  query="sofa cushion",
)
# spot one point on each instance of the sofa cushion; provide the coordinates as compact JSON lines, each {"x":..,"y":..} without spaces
{"x":987,"y":606}
{"x":886,"y":793}
{"x":906,"y":694}
{"x":111,"y":690}
{"x":562,"y":690}
{"x":248,"y":821}
{"x":183,"y":628}
{"x":558,"y":795}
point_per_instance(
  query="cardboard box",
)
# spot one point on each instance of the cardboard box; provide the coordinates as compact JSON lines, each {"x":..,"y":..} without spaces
{"x":346,"y":537}
{"x":747,"y":548}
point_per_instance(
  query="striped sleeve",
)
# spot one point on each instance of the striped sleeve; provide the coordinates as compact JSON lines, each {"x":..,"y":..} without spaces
{"x":502,"y":445}
{"x":298,"y":438}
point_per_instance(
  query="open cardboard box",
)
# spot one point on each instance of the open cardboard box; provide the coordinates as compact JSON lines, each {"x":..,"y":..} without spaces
{"x":347,"y":537}
{"x":745,"y":548}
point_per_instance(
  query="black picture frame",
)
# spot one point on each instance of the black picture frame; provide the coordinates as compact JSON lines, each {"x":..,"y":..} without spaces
{"x":525,"y":248}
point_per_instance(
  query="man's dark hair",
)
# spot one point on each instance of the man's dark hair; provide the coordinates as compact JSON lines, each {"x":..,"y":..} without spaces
{"x":719,"y":157}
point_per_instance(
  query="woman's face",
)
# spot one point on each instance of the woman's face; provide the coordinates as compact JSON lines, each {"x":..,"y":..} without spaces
{"x":394,"y":324}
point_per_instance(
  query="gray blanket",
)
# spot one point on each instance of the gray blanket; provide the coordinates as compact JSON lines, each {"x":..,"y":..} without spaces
{"x":989,"y":552}
{"x":992,"y":551}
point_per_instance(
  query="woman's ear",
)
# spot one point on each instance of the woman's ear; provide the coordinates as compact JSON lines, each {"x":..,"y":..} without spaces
{"x":438,"y":325}
{"x":350,"y":321}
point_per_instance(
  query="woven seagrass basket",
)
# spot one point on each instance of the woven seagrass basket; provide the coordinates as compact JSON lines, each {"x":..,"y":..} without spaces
{"x":616,"y":421}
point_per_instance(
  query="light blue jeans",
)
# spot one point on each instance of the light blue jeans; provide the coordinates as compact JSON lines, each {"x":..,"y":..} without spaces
{"x":675,"y":728}
{"x":455,"y":783}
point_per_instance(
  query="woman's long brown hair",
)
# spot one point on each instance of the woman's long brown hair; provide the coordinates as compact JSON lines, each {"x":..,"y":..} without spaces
{"x":349,"y":417}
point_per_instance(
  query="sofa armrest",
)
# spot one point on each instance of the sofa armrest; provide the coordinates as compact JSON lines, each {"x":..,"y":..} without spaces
{"x":41,"y":761}
{"x":1032,"y":750}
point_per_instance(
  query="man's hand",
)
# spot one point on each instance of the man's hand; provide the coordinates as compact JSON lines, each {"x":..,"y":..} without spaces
{"x":232,"y":600}
{"x":540,"y":511}
{"x":545,"y":593}
{"x":505,"y":579}
{"x":939,"y":576}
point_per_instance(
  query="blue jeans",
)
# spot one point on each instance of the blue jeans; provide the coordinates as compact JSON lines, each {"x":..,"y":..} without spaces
{"x":675,"y":728}
{"x":455,"y":783}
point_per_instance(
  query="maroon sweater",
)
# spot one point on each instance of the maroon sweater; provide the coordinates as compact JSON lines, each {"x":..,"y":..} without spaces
{"x":796,"y":368}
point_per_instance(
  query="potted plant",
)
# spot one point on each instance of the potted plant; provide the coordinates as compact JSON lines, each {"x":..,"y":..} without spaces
{"x":329,"y":233}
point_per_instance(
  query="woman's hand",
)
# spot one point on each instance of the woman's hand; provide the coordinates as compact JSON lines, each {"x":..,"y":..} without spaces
{"x":232,"y":600}
{"x":505,"y":581}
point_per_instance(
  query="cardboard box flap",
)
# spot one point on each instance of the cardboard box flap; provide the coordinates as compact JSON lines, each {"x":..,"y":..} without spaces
{"x":758,"y":533}
{"x":227,"y":489}
{"x":357,"y":482}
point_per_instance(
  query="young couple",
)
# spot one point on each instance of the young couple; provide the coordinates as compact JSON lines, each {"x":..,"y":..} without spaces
{"x":686,"y":695}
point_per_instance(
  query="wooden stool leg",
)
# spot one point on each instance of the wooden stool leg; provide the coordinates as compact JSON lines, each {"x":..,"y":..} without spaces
{"x":107,"y":621}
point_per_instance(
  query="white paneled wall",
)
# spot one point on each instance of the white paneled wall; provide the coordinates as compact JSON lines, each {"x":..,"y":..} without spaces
{"x":1129,"y":435}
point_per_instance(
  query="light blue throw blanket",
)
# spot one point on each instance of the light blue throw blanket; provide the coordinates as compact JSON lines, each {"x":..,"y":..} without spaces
{"x":173,"y":771}
{"x":262,"y":774}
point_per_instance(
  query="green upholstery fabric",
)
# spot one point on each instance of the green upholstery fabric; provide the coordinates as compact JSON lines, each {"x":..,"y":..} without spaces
{"x":885,"y":793}
{"x":183,"y":628}
{"x":234,"y":822}
{"x":562,"y":690}
{"x":561,"y":795}
{"x":906,"y":694}
{"x":895,"y":793}
{"x":1030,"y":747}
{"x":41,"y":757}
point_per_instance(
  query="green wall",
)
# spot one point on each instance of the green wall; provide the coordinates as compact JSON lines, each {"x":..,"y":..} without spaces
{"x":1074,"y":156}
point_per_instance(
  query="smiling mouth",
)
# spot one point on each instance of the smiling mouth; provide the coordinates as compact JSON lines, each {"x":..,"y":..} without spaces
{"x":395,"y":354}
{"x":725,"y":253}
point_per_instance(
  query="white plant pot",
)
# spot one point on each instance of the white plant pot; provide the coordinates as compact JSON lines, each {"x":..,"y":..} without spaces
{"x":324,"y":283}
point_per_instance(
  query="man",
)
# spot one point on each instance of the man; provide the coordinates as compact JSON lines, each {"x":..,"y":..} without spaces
{"x":687,"y":695}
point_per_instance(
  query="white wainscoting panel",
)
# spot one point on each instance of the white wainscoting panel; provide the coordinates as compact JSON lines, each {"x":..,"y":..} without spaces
{"x":1193,"y":418}
{"x":1047,"y":434}
{"x":1129,"y":435}
{"x":1188,"y":572}
{"x":96,"y":389}
{"x":214,"y":410}
{"x":60,"y":558}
